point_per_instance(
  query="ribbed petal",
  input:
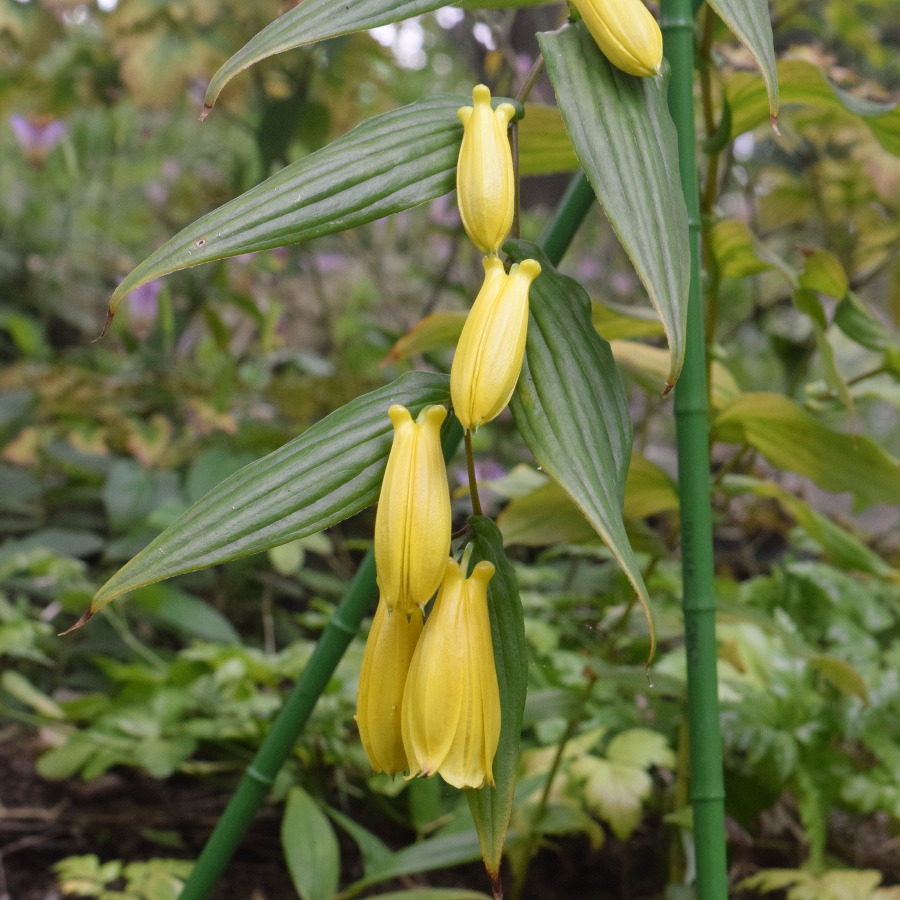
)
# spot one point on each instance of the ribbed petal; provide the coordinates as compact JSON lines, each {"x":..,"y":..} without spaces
{"x":438,"y":681}
{"x":451,"y":705}
{"x":626,"y":32}
{"x":491,"y":348}
{"x":382,"y":678}
{"x":485,"y":182}
{"x":412,"y":524}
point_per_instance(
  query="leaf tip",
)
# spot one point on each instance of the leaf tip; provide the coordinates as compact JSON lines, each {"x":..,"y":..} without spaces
{"x":88,"y":613}
{"x":773,"y":118}
{"x":110,"y":313}
{"x":496,"y":884}
{"x":667,"y":389}
{"x":207,"y":109}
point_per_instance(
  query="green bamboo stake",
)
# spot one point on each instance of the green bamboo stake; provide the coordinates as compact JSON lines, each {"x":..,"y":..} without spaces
{"x":568,"y":216}
{"x":707,"y":791}
{"x":290,"y":722}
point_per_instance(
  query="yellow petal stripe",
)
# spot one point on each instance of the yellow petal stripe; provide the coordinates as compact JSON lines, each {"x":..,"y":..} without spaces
{"x":485,"y":182}
{"x":451,"y":705}
{"x":626,"y":32}
{"x":389,"y":649}
{"x":412,"y":524}
{"x":491,"y":347}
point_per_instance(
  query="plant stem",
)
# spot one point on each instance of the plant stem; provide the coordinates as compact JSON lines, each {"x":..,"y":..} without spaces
{"x":707,"y":790}
{"x":473,"y":481}
{"x":541,"y":808}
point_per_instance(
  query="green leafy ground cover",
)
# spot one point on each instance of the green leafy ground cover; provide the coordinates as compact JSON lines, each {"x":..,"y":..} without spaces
{"x":119,"y":742}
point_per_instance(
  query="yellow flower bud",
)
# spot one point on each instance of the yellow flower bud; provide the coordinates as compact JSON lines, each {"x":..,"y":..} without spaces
{"x":412,"y":525}
{"x":492,"y":344}
{"x":389,"y":649}
{"x":451,"y":705}
{"x":626,"y":32}
{"x":485,"y":184}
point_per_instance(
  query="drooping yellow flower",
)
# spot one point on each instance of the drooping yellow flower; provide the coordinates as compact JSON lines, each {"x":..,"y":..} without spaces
{"x":451,"y":705}
{"x":626,"y":32}
{"x":485,"y":183}
{"x":492,"y":344}
{"x":412,"y":525}
{"x":389,"y":649}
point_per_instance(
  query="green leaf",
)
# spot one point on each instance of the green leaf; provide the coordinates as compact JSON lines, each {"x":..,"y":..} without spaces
{"x":749,"y":20}
{"x":841,"y":675}
{"x":312,"y":21}
{"x":328,"y":473}
{"x":386,"y":164}
{"x":852,"y":317}
{"x":310,"y":847}
{"x":545,"y":516}
{"x":641,"y":747}
{"x":438,"y":331}
{"x":492,"y":806}
{"x":803,"y":85}
{"x":843,"y":548}
{"x":648,"y":364}
{"x":824,"y":274}
{"x":570,"y":408}
{"x":544,"y":146}
{"x":439,"y":852}
{"x":735,"y":250}
{"x":625,"y":139}
{"x":790,"y":438}
{"x":187,"y":613}
{"x":373,"y":850}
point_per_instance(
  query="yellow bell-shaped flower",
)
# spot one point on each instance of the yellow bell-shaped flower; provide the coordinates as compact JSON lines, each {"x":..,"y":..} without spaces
{"x":451,"y":705}
{"x":492,"y":344}
{"x":626,"y":32}
{"x":389,"y":649}
{"x":412,"y":524}
{"x":485,"y":183}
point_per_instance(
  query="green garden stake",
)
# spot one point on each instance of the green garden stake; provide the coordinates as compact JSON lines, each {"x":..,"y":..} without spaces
{"x":707,"y":793}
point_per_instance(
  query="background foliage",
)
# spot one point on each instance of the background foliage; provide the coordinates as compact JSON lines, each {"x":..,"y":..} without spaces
{"x":105,"y":444}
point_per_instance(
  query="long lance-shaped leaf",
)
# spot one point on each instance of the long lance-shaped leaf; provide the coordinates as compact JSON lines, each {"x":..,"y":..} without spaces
{"x":570,"y":408}
{"x":311,"y":21}
{"x":749,"y":20}
{"x":492,"y":806}
{"x":386,"y":164}
{"x":624,"y":138}
{"x":331,"y":471}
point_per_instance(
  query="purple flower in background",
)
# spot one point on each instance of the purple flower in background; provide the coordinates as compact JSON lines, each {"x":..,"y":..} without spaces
{"x":143,"y":308}
{"x":37,"y":136}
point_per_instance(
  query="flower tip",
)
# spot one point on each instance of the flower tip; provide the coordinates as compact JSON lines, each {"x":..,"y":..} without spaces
{"x":483,"y":572}
{"x":399,"y":415}
{"x":481,"y":93}
{"x":433,"y":415}
{"x":531,"y":268}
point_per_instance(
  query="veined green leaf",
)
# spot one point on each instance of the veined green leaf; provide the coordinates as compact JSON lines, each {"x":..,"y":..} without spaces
{"x":312,"y":21}
{"x":310,"y":847}
{"x":749,"y":20}
{"x":492,"y":806}
{"x":437,"y":852}
{"x":790,"y":438}
{"x":331,"y":471}
{"x":386,"y":164}
{"x":803,"y":85}
{"x":625,"y":139}
{"x":570,"y":408}
{"x":318,"y":20}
